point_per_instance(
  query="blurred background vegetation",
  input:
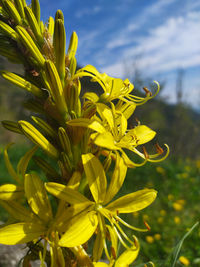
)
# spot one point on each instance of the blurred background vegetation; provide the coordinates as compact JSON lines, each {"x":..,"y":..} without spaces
{"x":177,"y":179}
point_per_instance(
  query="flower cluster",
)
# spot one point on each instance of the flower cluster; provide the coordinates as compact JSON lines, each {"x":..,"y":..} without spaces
{"x":87,"y":139}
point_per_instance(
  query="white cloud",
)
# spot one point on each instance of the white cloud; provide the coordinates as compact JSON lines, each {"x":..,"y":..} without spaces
{"x":87,"y":11}
{"x":170,"y":46}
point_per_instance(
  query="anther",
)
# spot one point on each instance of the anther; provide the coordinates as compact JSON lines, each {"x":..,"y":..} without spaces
{"x":147,"y":226}
{"x":159,"y":149}
{"x":148,"y":93}
{"x":113,"y":252}
{"x":145,"y":152}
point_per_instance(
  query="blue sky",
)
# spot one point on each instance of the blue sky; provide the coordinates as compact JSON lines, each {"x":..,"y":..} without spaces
{"x":157,"y":37}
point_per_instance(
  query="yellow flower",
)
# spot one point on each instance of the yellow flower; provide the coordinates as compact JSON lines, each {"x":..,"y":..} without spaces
{"x":160,"y":219}
{"x":111,"y":133}
{"x":198,"y":164}
{"x":160,"y":170}
{"x":170,"y":197}
{"x":163,"y":212}
{"x":184,"y":261}
{"x":157,"y":236}
{"x":95,"y":212}
{"x":177,"y":206}
{"x":177,"y":220}
{"x":114,"y":88}
{"x":149,"y":239}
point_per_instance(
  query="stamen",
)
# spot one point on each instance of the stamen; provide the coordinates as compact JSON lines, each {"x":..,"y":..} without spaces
{"x":148,"y":93}
{"x":130,"y":226}
{"x":113,"y":252}
{"x":159,"y":149}
{"x":120,"y":238}
{"x":147,"y":226}
{"x":145,"y":152}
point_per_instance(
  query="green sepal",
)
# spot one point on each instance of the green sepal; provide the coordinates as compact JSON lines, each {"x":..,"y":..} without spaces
{"x":33,"y":23}
{"x":30,"y":45}
{"x":37,"y":138}
{"x":20,"y":7}
{"x":59,"y":41}
{"x":21,"y":82}
{"x":11,"y":126}
{"x":12,"y":11}
{"x":35,"y":5}
{"x":8,"y":31}
{"x":11,"y":192}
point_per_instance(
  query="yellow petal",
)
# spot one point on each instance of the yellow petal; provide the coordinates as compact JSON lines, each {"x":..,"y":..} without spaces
{"x":65,"y":214}
{"x":98,"y":247}
{"x":117,"y":179}
{"x":106,"y":114}
{"x":100,"y":264}
{"x":91,"y":96}
{"x":37,"y":197}
{"x":127,"y":257}
{"x":20,"y":233}
{"x":113,"y":239}
{"x":74,"y":181}
{"x":139,"y":135}
{"x":11,"y":192}
{"x":96,"y":176}
{"x":133,"y":202}
{"x":66,"y":193}
{"x":104,"y":140}
{"x":91,"y":124}
{"x":9,"y":166}
{"x":127,"y":109}
{"x":18,"y":211}
{"x":24,"y":161}
{"x":80,"y":230}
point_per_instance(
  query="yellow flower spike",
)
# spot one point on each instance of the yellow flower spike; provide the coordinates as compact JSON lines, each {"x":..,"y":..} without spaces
{"x":11,"y":126}
{"x":35,"y":5}
{"x":20,"y":233}
{"x":81,"y":228}
{"x":127,"y":257}
{"x":51,"y":25}
{"x":96,"y":177}
{"x":11,"y":192}
{"x":36,"y":137}
{"x":44,"y":126}
{"x":8,"y":31}
{"x":133,"y":202}
{"x":117,"y":179}
{"x":19,"y":212}
{"x":66,"y":193}
{"x":72,"y":46}
{"x":56,"y":89}
{"x":21,"y":82}
{"x":37,"y":197}
{"x":12,"y":11}
{"x":35,"y":27}
{"x":20,"y":7}
{"x":59,"y":41}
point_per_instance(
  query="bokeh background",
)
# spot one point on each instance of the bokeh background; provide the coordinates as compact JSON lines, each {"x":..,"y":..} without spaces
{"x":143,"y":41}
